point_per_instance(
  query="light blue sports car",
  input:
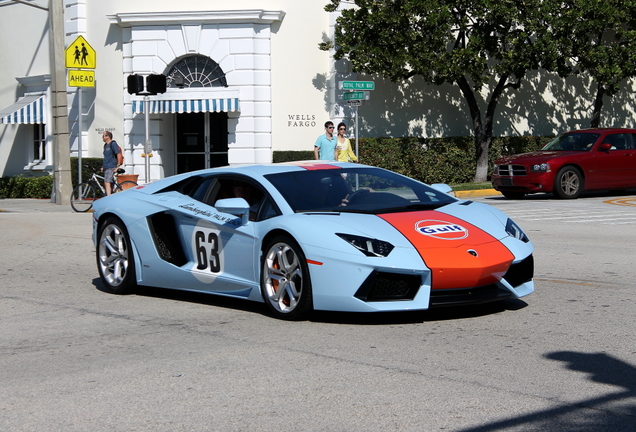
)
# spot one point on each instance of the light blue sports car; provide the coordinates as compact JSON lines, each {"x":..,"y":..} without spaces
{"x":311,"y":235}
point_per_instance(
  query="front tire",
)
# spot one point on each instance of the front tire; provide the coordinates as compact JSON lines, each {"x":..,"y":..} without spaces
{"x":115,"y":260}
{"x":568,"y":183}
{"x":285,"y":281}
{"x":83,"y":197}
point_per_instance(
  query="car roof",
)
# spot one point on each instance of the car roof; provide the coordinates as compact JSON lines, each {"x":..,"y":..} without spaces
{"x":602,"y":130}
{"x":251,"y":170}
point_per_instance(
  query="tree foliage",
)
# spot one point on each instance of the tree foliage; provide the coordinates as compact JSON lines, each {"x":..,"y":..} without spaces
{"x":485,"y":47}
{"x":596,"y":37}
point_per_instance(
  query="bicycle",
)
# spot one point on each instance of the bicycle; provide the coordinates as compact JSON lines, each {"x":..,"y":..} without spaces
{"x":87,"y":192}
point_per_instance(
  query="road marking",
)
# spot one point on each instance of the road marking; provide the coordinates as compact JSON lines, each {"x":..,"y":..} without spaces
{"x":629,"y":202}
{"x":571,"y":212}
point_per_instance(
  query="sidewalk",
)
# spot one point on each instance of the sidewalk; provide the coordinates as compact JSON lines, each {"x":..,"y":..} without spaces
{"x":30,"y":205}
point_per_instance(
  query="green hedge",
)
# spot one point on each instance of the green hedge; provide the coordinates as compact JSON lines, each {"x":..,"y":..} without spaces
{"x":431,"y":160}
{"x":26,"y":187}
{"x":89,"y":166}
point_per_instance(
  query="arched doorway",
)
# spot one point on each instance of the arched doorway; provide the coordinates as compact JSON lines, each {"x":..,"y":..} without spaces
{"x":201,"y":137}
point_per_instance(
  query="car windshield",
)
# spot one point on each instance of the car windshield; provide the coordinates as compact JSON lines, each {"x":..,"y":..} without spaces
{"x":356,"y":190}
{"x":574,"y":141}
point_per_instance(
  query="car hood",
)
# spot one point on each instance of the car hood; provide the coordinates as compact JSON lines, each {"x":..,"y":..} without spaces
{"x":459,"y":254}
{"x":534,"y":157}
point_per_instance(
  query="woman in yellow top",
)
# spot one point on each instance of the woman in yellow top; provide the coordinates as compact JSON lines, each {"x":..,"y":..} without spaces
{"x":345,"y":153}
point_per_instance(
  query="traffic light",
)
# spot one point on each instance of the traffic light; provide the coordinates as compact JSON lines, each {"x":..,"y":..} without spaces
{"x":155,"y":83}
{"x":135,"y":84}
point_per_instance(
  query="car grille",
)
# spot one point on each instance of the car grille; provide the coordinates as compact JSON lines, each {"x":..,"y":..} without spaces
{"x":380,"y":286}
{"x":468,"y":296}
{"x":511,"y":170}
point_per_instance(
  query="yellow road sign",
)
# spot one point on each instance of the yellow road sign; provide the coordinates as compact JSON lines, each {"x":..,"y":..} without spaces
{"x":80,"y":55}
{"x":81,"y":78}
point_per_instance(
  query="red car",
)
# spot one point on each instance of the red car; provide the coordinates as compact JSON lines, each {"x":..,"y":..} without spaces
{"x":576,"y":161}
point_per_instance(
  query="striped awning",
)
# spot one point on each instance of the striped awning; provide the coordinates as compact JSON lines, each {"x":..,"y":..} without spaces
{"x":29,"y":109}
{"x":187,"y":106}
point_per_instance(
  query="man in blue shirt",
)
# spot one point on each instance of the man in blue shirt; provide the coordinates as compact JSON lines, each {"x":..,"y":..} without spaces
{"x":113,"y":158}
{"x":325,"y":147}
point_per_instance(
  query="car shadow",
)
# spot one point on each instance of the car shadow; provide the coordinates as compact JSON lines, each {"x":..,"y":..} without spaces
{"x":353,"y":318}
{"x":418,"y":317}
{"x":192,"y":297}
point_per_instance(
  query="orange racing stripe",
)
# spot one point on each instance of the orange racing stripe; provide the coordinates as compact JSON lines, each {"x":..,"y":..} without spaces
{"x":444,"y":242}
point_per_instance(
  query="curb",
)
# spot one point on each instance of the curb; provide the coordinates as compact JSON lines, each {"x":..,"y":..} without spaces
{"x":476,"y":193}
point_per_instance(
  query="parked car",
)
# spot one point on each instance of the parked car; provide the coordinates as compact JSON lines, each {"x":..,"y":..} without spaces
{"x":576,"y":161}
{"x":311,"y":235}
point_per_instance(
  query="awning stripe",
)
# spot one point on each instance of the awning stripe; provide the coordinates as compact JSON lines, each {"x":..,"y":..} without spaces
{"x":187,"y":106}
{"x":31,"y":109}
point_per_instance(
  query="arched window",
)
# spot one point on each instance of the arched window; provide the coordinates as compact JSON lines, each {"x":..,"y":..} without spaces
{"x":196,"y":71}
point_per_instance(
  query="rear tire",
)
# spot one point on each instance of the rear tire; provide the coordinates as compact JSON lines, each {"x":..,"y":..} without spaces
{"x":115,"y":260}
{"x":83,"y":197}
{"x":568,"y":183}
{"x":120,"y":187}
{"x":285,"y":282}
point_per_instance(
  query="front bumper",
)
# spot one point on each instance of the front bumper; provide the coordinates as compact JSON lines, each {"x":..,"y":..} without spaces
{"x":530,"y":183}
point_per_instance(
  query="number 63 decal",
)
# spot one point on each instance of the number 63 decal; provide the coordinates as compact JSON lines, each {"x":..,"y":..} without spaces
{"x":207,"y":251}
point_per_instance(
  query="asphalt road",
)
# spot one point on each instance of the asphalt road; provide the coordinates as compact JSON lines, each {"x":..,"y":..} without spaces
{"x":74,"y":358}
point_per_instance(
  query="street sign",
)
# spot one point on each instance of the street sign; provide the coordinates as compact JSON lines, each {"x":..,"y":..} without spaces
{"x":354,"y":102}
{"x":80,"y":55}
{"x":355,"y":95}
{"x":357,"y":85}
{"x":81,"y":78}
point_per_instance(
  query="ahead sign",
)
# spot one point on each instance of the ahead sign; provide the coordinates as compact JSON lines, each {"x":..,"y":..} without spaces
{"x":81,"y":78}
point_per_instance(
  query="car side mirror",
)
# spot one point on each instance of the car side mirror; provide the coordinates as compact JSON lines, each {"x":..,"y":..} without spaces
{"x":234,"y":206}
{"x":605,"y":147}
{"x":443,"y":187}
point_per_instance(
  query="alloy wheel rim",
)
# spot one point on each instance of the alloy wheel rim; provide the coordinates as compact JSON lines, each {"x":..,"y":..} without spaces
{"x":283,"y":280}
{"x":113,"y":255}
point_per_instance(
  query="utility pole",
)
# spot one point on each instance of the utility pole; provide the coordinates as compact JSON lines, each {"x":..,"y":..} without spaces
{"x":62,"y":185}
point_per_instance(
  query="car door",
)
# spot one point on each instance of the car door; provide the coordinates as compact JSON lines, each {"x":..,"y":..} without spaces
{"x":221,"y":247}
{"x":614,"y":167}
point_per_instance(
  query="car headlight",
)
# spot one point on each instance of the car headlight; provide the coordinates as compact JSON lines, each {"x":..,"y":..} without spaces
{"x":368,"y":246}
{"x":539,"y":168}
{"x":514,"y":231}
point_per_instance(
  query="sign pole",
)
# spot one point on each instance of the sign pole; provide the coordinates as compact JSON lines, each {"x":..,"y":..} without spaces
{"x":357,"y":138}
{"x":79,"y":135}
{"x":148,"y":143}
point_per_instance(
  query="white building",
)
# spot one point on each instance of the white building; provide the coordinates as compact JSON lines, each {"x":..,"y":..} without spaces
{"x":245,"y":79}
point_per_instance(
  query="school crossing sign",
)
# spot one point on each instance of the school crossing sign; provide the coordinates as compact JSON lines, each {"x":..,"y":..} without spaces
{"x":78,"y":57}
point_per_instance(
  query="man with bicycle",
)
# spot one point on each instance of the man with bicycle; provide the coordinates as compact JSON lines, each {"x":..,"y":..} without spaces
{"x":113,"y":158}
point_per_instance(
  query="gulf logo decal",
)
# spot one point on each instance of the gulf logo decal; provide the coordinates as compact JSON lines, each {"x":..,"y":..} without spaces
{"x":441,"y":230}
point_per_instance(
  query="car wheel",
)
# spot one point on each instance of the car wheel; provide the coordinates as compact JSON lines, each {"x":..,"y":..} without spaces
{"x":285,"y":282}
{"x":513,"y":195}
{"x":115,"y":260}
{"x":568,"y":183}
